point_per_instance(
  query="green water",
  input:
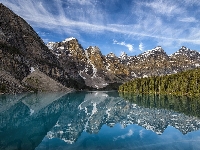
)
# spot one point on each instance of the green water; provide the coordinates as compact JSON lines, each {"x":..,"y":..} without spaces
{"x":98,"y":120}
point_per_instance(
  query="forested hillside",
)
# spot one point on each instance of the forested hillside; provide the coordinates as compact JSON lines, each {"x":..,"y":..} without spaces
{"x":183,"y":83}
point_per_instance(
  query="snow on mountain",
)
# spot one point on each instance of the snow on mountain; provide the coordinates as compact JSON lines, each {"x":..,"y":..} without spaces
{"x":50,"y":45}
{"x":111,"y":55}
{"x":184,"y":51}
{"x":98,"y":70}
{"x":156,"y":51}
{"x":69,"y":39}
{"x":123,"y":56}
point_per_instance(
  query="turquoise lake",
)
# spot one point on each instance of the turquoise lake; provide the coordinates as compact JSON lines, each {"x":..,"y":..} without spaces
{"x":98,"y":120}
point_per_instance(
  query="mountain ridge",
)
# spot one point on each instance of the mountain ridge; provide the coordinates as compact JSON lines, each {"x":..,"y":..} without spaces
{"x":109,"y":68}
{"x":68,"y":63}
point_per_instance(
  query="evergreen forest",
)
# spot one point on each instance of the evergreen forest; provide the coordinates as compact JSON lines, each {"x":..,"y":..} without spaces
{"x":182,"y":83}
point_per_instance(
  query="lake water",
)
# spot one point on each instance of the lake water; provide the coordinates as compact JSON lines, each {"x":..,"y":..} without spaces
{"x":98,"y":121}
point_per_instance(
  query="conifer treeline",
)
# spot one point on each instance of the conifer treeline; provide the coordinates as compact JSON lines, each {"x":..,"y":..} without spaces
{"x":183,"y":104}
{"x":183,"y":83}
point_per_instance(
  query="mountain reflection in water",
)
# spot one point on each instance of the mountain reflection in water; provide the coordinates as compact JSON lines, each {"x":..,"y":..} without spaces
{"x":98,"y":120}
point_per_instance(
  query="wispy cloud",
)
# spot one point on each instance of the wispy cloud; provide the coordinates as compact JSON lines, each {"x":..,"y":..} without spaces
{"x":129,"y":46}
{"x":188,"y":19}
{"x":168,"y":8}
{"x":130,"y":133}
{"x":141,"y":133}
{"x":141,"y":46}
{"x":157,"y":20}
{"x":81,"y":2}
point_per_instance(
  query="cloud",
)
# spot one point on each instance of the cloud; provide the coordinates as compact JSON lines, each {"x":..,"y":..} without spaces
{"x":141,"y":133}
{"x":168,"y":8}
{"x":141,"y":46}
{"x":130,"y":133}
{"x":81,"y":2}
{"x":157,"y":20}
{"x":129,"y":46}
{"x":188,"y":19}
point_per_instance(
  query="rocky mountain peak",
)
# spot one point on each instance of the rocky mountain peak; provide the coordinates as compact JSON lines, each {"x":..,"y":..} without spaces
{"x":186,"y":53}
{"x":184,"y":48}
{"x":93,"y":50}
{"x":69,"y":39}
{"x":123,"y":56}
{"x":156,"y":53}
{"x":98,"y":70}
{"x":158,"y":48}
{"x":111,"y":55}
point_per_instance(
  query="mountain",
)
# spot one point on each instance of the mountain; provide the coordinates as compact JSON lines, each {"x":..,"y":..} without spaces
{"x":22,"y":49}
{"x":185,"y":58}
{"x":100,"y":71}
{"x":97,"y":70}
{"x":69,"y":64}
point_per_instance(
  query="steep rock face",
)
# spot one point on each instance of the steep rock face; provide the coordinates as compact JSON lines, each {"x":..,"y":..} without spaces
{"x":150,"y":63}
{"x":95,"y":69}
{"x":20,"y":41}
{"x":7,"y":80}
{"x":21,"y":48}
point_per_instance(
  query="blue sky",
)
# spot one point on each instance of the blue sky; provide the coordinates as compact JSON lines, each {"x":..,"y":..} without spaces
{"x":132,"y":26}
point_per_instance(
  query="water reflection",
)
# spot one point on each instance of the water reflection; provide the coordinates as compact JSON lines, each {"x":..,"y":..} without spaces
{"x":52,"y":120}
{"x":187,"y":105}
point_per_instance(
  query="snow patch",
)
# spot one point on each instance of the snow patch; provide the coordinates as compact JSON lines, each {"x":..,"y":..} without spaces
{"x":80,"y":73}
{"x":69,"y":39}
{"x":50,"y":45}
{"x":57,"y":125}
{"x":31,"y":112}
{"x":96,"y":86}
{"x":61,"y":47}
{"x":145,"y":76}
{"x":107,"y":67}
{"x":94,"y":110}
{"x":197,"y":65}
{"x":32,"y":69}
{"x":67,"y":141}
{"x":133,"y":74}
{"x":86,"y":54}
{"x":108,"y":112}
{"x":94,"y":70}
{"x":123,"y":56}
{"x":150,"y":52}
